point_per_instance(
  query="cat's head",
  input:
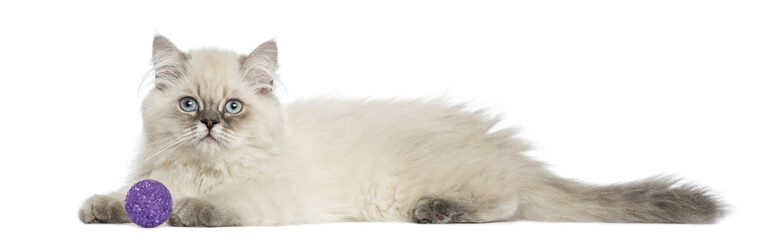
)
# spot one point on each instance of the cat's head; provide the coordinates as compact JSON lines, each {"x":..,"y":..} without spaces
{"x":210,"y":100}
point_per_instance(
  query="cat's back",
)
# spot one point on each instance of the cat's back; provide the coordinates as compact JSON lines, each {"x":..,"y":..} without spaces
{"x":406,"y":127}
{"x":385,"y":116}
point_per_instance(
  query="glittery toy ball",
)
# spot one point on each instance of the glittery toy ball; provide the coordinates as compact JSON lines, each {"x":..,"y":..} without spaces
{"x":148,"y":203}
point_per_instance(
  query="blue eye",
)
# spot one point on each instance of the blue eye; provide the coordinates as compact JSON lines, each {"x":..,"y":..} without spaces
{"x":233,"y":106}
{"x":188,"y":104}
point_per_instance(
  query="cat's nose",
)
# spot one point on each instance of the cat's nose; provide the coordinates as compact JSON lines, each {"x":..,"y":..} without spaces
{"x":209,"y":122}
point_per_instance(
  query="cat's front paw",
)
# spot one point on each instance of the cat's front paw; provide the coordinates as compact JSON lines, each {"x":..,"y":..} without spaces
{"x":103,"y":209}
{"x":195,"y":212}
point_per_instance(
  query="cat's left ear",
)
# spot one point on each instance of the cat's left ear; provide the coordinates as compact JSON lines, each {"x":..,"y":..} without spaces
{"x":260,"y":67}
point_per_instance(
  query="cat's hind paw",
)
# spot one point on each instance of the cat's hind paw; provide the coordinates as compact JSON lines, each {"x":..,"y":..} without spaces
{"x":434,"y":210}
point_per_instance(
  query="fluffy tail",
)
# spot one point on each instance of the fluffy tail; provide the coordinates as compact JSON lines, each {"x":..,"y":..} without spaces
{"x":653,"y":200}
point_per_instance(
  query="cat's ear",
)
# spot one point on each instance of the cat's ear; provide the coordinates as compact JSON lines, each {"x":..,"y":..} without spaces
{"x":260,"y":67}
{"x":168,"y":62}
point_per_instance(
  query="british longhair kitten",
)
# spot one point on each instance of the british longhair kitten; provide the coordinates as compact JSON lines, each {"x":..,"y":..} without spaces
{"x":231,"y":154}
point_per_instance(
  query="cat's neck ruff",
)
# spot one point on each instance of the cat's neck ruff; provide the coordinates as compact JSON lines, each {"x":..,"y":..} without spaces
{"x":189,"y":172}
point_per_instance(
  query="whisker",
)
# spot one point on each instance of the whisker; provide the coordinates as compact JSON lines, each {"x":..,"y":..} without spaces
{"x":227,"y":136}
{"x":167,"y":144}
{"x":171,"y":138}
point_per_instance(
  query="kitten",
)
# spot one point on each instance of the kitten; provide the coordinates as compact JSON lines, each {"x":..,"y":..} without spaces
{"x":218,"y":138}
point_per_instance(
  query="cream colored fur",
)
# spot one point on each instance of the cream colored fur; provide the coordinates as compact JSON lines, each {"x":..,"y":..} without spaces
{"x":324,"y":160}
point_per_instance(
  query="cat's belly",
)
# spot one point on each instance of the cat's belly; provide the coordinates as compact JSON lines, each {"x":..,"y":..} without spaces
{"x":361,"y":198}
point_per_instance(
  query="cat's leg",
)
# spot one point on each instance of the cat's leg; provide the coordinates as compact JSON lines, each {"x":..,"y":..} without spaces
{"x":104,"y":209}
{"x":462,"y":210}
{"x":258,"y":203}
{"x":201,"y":212}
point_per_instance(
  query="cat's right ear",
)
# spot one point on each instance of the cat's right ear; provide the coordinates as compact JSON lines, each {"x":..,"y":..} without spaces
{"x":168,"y":63}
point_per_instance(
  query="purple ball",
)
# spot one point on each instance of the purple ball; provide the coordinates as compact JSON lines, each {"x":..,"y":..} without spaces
{"x":148,"y":203}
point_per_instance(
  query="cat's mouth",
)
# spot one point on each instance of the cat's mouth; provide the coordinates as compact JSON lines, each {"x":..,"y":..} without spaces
{"x":208,"y":139}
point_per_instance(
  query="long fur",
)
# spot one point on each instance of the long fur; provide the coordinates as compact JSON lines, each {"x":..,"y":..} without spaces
{"x":324,"y":160}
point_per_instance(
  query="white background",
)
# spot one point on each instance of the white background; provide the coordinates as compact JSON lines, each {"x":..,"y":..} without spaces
{"x":608,"y":91}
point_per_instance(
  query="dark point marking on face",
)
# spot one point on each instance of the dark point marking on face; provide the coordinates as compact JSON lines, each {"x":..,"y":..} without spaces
{"x":234,"y":120}
{"x":210,"y":113}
